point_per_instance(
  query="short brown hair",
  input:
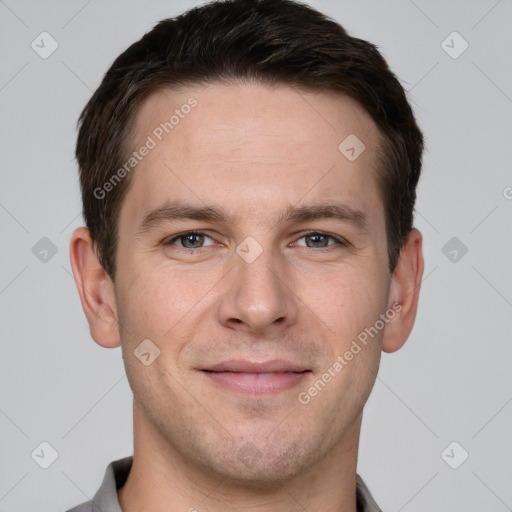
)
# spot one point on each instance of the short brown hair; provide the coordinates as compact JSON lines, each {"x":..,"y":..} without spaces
{"x":266,"y":41}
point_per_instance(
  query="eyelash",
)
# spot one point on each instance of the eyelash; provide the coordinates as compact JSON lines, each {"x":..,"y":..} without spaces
{"x":339,"y":241}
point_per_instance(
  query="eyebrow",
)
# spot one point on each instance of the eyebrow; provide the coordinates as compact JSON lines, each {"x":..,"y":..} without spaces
{"x":169,"y":212}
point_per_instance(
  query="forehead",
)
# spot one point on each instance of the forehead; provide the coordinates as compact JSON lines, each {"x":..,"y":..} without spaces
{"x":251,"y":148}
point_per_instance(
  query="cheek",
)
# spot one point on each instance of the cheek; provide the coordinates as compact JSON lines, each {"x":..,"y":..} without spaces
{"x":346,"y":300}
{"x":158,"y":307}
{"x":158,"y":303}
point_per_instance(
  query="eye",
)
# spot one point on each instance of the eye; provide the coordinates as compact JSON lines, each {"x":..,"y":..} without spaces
{"x":320,"y":240}
{"x":196,"y":240}
{"x":189,"y":240}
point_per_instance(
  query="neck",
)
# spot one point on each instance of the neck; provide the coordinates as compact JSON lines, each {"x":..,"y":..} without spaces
{"x":160,"y":480}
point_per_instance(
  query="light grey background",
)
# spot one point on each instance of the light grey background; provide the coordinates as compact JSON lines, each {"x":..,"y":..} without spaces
{"x":451,"y":381}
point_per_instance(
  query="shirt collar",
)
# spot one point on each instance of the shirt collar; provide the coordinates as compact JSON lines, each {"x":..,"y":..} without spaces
{"x":116,"y":474}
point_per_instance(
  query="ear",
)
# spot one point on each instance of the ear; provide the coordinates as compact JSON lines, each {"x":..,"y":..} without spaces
{"x":404,"y":290}
{"x":95,"y":288}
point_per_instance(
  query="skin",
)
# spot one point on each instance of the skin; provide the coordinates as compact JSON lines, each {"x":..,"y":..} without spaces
{"x":252,"y":151}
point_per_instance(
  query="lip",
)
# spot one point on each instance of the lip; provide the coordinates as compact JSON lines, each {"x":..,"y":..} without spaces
{"x":265,"y":378}
{"x":243,"y":366}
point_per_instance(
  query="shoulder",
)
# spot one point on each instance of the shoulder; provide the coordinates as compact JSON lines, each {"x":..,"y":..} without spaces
{"x":83,"y":507}
{"x":105,"y":499}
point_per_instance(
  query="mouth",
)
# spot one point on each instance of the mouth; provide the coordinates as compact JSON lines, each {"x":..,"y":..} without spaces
{"x":265,"y":378}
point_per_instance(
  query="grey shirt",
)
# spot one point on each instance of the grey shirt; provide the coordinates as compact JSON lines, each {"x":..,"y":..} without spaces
{"x":116,"y":474}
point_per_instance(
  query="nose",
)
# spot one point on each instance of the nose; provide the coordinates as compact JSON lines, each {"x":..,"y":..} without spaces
{"x":259,"y":296}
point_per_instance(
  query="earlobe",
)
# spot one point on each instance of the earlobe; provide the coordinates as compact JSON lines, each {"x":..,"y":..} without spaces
{"x":95,"y":288}
{"x":405,"y":289}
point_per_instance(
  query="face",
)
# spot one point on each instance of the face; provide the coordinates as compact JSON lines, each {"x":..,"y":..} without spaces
{"x":285,"y":266}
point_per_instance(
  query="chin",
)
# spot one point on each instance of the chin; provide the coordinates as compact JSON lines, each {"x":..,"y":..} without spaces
{"x":264,"y":468}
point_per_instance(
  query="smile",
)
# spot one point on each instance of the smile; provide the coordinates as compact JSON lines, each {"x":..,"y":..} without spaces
{"x":256,"y":378}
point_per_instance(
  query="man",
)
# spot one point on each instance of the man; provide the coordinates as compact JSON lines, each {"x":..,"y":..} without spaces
{"x":248,"y":175}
